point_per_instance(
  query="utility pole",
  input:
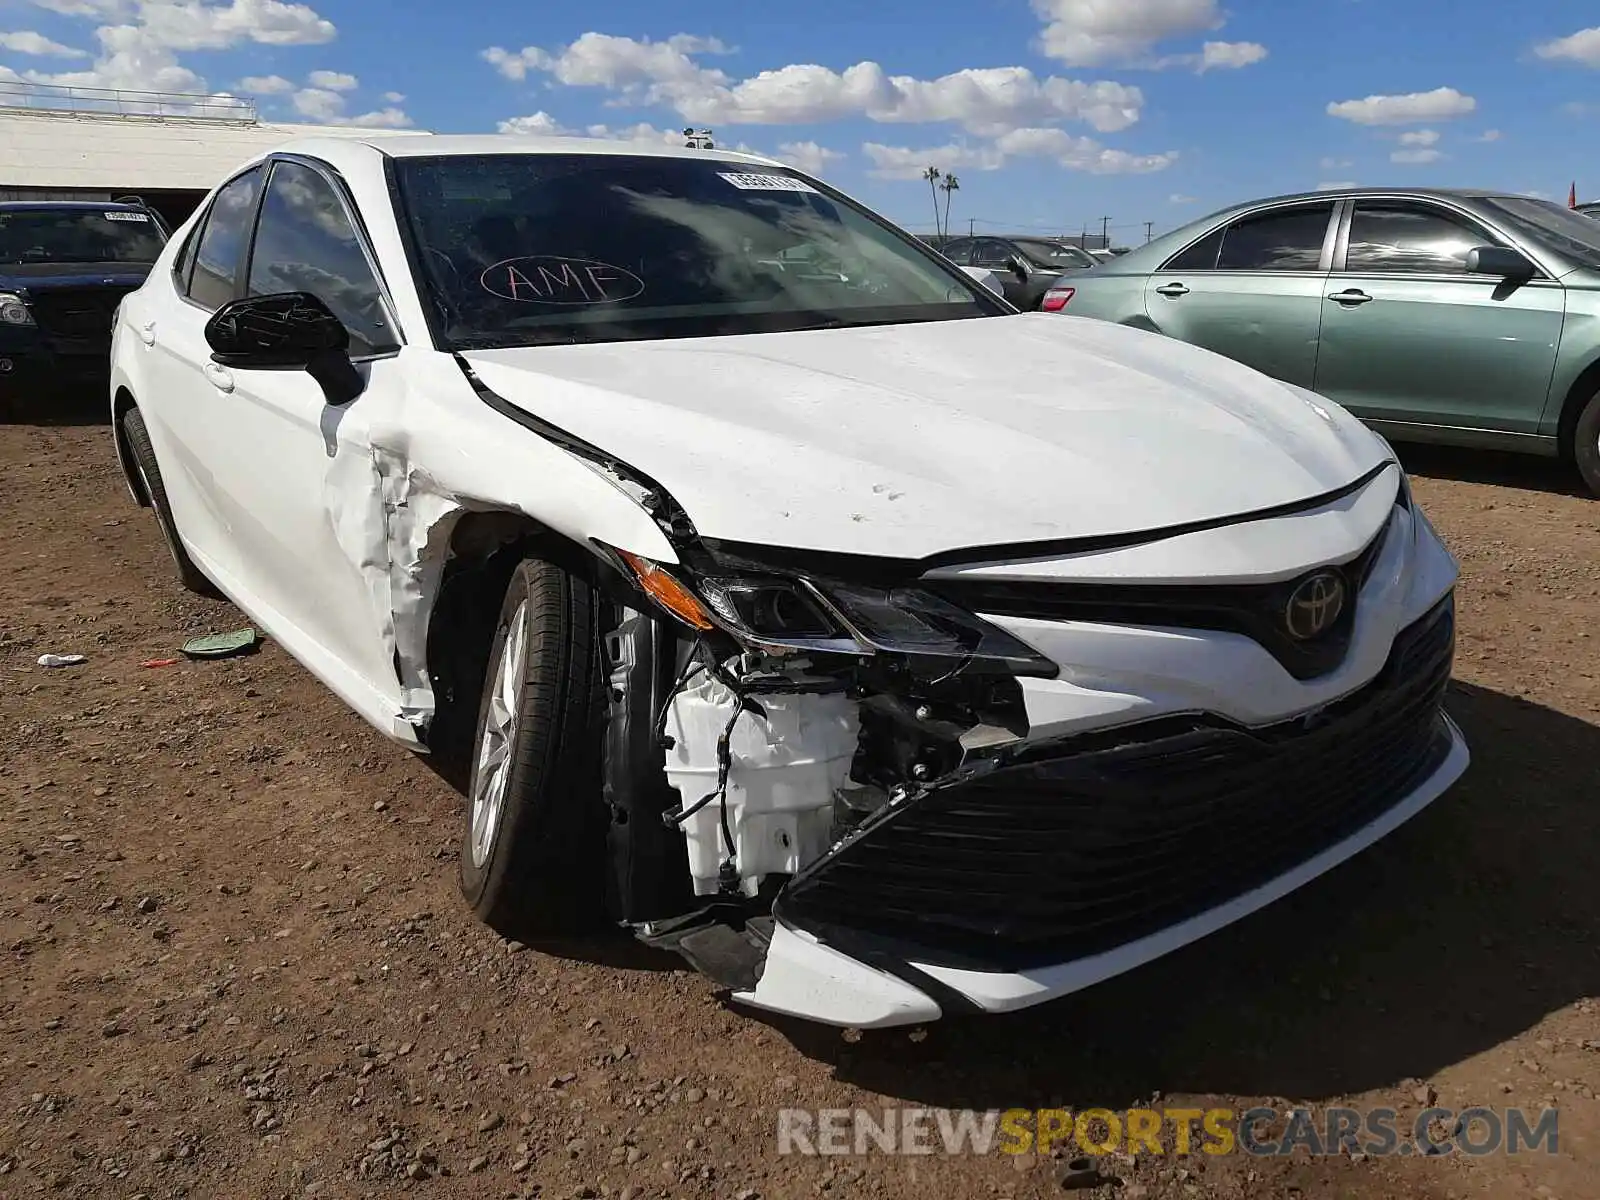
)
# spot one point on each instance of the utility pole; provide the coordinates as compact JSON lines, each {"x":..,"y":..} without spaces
{"x":1149,"y":232}
{"x":972,"y":225}
{"x":1105,"y":233}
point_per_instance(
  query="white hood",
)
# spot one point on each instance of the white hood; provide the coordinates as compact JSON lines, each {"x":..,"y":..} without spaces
{"x":907,"y":440}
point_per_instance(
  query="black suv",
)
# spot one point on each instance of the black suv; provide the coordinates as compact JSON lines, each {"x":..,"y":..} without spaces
{"x":64,"y":268}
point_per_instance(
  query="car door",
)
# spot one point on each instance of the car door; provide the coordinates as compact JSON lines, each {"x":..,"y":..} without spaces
{"x":305,"y":467}
{"x":181,"y":402}
{"x":991,"y":254}
{"x":1409,"y":335}
{"x":1252,"y":289}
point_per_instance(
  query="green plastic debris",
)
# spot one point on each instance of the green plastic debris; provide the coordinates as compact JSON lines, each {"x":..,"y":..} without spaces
{"x":222,"y":645}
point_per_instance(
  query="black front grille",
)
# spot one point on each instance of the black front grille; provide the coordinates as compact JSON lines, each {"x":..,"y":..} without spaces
{"x":1098,"y":841}
{"x":77,"y":320}
{"x":1255,"y":610}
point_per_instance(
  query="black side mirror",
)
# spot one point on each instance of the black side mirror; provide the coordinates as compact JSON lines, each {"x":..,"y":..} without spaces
{"x":289,"y":330}
{"x":1019,"y":267}
{"x":1498,"y":261}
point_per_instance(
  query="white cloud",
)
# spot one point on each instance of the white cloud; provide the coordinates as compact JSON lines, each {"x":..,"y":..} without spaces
{"x":1229,"y":56}
{"x":1180,"y":198}
{"x":1420,"y":137}
{"x":27,"y":42}
{"x":319,"y":104}
{"x":539,"y":124}
{"x":265,"y":85}
{"x":1416,"y":157}
{"x":905,"y":162}
{"x":140,"y":50}
{"x":1334,"y":164}
{"x":807,"y":156}
{"x":1489,"y":135}
{"x":394,"y":97}
{"x":989,"y":101}
{"x":1410,"y":109}
{"x":190,"y":25}
{"x":1338,"y":185}
{"x":334,"y":81}
{"x":1087,"y":33}
{"x":327,"y":106}
{"x":602,"y":60}
{"x":1074,"y":153}
{"x":1581,"y":47}
{"x":383,"y":118}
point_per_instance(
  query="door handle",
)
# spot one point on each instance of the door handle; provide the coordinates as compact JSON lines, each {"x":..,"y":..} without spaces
{"x":147,"y":333}
{"x":219,"y":376}
{"x":1351,"y":297}
{"x":1172,"y":289}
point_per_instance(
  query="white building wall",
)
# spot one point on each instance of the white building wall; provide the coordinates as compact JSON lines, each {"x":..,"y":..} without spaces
{"x":71,"y":154}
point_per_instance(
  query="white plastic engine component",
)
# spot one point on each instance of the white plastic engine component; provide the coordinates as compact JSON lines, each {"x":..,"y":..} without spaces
{"x":784,"y":769}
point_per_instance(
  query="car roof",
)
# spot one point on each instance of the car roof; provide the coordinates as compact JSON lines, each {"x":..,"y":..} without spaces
{"x":436,"y":145}
{"x":1342,"y":192}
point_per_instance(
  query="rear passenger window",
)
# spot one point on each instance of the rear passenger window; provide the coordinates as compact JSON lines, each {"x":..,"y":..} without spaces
{"x":1202,"y":256}
{"x":220,"y":250}
{"x":1289,"y":240}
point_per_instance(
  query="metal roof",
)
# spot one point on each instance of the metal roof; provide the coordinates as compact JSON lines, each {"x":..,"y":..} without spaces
{"x":62,"y":151}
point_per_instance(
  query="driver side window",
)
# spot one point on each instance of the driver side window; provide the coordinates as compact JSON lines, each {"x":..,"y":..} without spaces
{"x":306,"y":243}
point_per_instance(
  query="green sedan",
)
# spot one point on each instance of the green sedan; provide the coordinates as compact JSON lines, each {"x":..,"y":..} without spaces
{"x":1442,"y":316}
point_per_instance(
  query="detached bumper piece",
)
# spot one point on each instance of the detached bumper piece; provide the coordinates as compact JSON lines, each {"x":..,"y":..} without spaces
{"x":1074,"y":849}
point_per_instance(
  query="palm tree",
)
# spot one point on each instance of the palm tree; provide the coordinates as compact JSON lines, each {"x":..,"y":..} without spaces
{"x":933,"y":175}
{"x":950,"y":184}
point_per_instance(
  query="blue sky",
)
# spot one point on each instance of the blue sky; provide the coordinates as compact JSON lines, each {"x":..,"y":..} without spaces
{"x":1053,"y":113}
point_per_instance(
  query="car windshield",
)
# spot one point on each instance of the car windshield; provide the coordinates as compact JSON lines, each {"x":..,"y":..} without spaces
{"x":525,"y":249}
{"x":43,"y":235}
{"x":1569,"y":233}
{"x":1054,"y":254}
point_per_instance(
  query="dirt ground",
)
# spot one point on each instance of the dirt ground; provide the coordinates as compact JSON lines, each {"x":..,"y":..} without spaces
{"x":235,"y":963}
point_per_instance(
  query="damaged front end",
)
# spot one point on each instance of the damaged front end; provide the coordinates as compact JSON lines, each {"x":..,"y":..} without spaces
{"x":785,"y":712}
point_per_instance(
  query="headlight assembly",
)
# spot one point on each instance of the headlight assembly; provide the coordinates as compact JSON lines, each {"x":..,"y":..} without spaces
{"x":780,"y":615}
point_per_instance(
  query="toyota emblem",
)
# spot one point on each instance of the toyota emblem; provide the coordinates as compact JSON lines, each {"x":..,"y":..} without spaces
{"x":1314,"y":606}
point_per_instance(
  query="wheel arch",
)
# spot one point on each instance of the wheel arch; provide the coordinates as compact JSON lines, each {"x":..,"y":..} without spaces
{"x":484,"y":548}
{"x":1583,"y":389}
{"x":122,"y":403}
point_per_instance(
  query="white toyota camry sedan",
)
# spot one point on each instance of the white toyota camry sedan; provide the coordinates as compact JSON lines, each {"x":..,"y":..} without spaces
{"x":775,"y":591}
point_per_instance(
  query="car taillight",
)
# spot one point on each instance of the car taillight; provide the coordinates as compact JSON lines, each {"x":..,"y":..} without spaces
{"x":1057,"y":298}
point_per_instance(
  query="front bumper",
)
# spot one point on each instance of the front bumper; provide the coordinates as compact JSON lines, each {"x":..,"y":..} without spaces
{"x":1105,"y":843}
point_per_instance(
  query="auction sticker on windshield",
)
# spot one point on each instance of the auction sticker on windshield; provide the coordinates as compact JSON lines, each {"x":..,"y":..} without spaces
{"x":766,"y":183}
{"x":126,"y":216}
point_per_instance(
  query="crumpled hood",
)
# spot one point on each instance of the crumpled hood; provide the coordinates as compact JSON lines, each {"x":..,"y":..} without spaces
{"x":909,"y":440}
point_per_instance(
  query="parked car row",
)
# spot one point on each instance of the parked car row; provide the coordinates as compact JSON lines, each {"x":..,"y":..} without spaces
{"x":672,"y":498}
{"x":1442,"y":316}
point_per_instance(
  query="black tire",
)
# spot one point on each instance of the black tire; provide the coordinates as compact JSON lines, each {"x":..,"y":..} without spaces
{"x":1586,"y":444}
{"x":144,"y":459}
{"x":541,"y":872}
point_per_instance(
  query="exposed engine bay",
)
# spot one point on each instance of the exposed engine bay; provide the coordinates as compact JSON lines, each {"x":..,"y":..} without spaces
{"x":746,"y":766}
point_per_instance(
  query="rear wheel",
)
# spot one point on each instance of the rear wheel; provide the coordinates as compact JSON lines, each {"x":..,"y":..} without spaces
{"x":1586,"y":444}
{"x":533,"y":843}
{"x":144,"y":464}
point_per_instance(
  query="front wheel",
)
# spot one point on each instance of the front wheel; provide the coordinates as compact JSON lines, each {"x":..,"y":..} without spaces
{"x":1586,"y":444}
{"x":532,"y":849}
